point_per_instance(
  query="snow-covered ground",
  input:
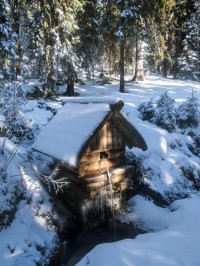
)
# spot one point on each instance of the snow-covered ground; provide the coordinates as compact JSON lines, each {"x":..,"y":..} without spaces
{"x":175,"y":240}
{"x":174,"y":235}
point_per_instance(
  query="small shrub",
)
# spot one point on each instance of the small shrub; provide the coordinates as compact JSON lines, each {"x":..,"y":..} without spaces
{"x":194,"y":143}
{"x":192,"y":175}
{"x":147,"y":110}
{"x":15,"y":126}
{"x":188,"y":114}
{"x":165,"y":114}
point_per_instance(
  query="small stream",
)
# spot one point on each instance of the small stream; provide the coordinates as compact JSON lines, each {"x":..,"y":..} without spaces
{"x":75,"y":246}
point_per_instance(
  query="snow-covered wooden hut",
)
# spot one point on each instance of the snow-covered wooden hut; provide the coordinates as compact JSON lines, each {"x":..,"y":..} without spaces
{"x":88,"y":137}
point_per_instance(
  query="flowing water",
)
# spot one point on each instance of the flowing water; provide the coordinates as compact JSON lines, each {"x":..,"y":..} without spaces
{"x":109,"y":175}
{"x":105,"y":205}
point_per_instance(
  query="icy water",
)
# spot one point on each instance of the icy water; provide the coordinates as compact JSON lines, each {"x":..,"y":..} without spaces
{"x":75,"y":246}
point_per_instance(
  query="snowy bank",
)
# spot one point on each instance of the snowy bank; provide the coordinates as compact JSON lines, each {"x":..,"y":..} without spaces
{"x":174,"y":243}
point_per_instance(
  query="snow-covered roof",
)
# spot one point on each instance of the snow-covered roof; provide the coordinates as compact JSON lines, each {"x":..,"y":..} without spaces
{"x":71,"y":128}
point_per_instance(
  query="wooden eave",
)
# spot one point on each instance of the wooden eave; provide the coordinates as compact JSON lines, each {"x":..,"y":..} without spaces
{"x":133,"y":137}
{"x":91,"y":138}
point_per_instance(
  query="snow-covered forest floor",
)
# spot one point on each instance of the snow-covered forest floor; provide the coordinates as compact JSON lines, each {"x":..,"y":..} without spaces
{"x":170,"y":166}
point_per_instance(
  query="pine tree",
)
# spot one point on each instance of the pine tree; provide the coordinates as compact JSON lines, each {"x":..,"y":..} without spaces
{"x":8,"y":39}
{"x":182,"y":13}
{"x":89,"y":36}
{"x":58,"y":27}
{"x":147,"y":110}
{"x":189,"y":60}
{"x":188,"y":114}
{"x":165,"y":112}
{"x":165,"y":20}
{"x":109,"y":46}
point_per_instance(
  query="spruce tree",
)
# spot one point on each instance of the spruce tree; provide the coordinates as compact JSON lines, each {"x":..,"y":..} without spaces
{"x":8,"y":39}
{"x":188,"y":114}
{"x":189,"y":60}
{"x":88,"y":33}
{"x":165,"y":112}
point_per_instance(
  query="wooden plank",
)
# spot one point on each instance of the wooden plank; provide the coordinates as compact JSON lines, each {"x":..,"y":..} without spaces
{"x":93,"y":145}
{"x":96,"y":178}
{"x":114,"y":136}
{"x":100,"y":166}
{"x":88,"y":150}
{"x":106,"y":150}
{"x":88,"y":158}
{"x":116,"y":154}
{"x":109,"y":136}
{"x":119,"y":138}
{"x":124,"y":185}
{"x":103,"y":138}
{"x":95,"y":186}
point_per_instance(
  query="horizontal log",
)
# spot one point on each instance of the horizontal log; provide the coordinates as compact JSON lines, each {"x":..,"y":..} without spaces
{"x":105,"y":186}
{"x":102,"y":181}
{"x":100,"y":166}
{"x":126,"y":170}
{"x":96,"y":157}
{"x":124,"y":185}
{"x":96,"y":186}
{"x":113,"y":149}
{"x":91,"y":157}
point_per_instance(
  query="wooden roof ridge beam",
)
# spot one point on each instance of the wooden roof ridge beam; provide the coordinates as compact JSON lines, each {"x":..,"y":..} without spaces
{"x":132,"y":134}
{"x":117,"y":106}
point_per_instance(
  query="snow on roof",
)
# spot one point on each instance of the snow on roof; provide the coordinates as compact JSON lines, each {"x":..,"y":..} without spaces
{"x":71,"y":127}
{"x":98,"y":99}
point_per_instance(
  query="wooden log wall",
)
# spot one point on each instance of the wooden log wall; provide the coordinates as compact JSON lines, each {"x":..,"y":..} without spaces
{"x":108,"y":138}
{"x":98,"y":162}
{"x":107,"y":150}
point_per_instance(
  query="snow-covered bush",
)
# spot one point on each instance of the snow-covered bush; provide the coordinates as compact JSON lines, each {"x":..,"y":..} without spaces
{"x":161,"y":113}
{"x":188,"y":114}
{"x":165,"y":112}
{"x":16,"y":127}
{"x":192,"y":174}
{"x":189,"y":60}
{"x":10,"y":183}
{"x":147,"y":110}
{"x":193,"y":142}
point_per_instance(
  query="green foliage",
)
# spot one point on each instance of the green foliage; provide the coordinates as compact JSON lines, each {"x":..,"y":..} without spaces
{"x":192,"y":174}
{"x":164,"y":114}
{"x":17,"y":128}
{"x":8,"y":39}
{"x":52,"y":38}
{"x":89,"y":37}
{"x":188,"y":113}
{"x":147,"y":110}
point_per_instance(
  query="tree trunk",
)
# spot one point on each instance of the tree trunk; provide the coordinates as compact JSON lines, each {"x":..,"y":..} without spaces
{"x":70,"y":80}
{"x":139,"y":71}
{"x":122,"y":50}
{"x":121,"y":87}
{"x":52,"y":75}
{"x":165,"y":65}
{"x":50,"y":58}
{"x":16,"y":27}
{"x":70,"y":87}
{"x":18,"y":60}
{"x":167,"y":62}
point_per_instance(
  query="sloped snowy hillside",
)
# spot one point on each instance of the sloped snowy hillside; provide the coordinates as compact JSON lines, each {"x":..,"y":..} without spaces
{"x":170,"y":166}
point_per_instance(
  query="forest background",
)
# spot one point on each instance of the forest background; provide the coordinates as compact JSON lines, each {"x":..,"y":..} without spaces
{"x":53,"y":39}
